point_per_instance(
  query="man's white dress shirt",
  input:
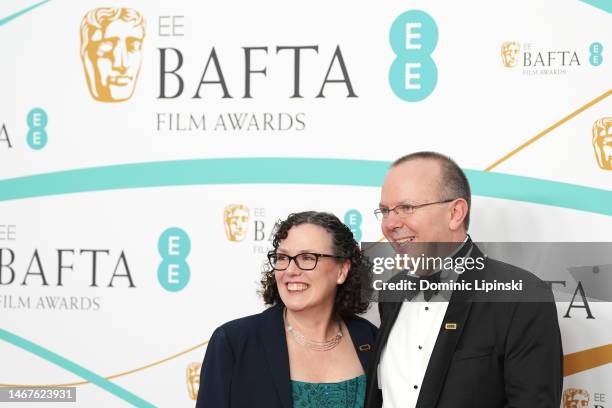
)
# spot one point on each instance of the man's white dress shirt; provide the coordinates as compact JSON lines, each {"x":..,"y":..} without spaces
{"x":405,"y":358}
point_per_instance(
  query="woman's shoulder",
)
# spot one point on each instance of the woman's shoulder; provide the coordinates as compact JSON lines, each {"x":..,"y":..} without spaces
{"x":359,"y":323}
{"x":245,"y":326}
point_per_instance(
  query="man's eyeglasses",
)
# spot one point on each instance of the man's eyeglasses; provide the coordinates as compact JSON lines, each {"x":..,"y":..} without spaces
{"x":404,"y":210}
{"x":306,"y":261}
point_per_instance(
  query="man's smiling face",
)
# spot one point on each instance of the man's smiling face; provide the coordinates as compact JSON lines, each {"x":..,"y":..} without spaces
{"x":415,"y":182}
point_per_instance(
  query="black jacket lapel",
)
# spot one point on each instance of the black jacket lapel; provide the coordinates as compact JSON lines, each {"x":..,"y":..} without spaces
{"x":272,"y":336}
{"x":388,"y":314}
{"x":362,"y":341}
{"x":450,"y":332}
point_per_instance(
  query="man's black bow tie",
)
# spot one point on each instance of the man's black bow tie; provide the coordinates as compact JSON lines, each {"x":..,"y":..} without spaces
{"x":428,"y":293}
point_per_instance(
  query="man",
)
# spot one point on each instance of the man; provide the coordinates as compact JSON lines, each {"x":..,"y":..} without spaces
{"x":465,"y":352}
{"x":111,"y":51}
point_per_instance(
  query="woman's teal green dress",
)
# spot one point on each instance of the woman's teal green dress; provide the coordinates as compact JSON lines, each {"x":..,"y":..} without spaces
{"x":344,"y":394}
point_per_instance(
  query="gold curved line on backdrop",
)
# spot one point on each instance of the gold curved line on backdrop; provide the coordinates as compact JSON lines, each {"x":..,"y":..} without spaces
{"x":550,"y":128}
{"x":124,"y":373}
{"x":587,"y":359}
{"x":110,"y":377}
{"x":572,"y":364}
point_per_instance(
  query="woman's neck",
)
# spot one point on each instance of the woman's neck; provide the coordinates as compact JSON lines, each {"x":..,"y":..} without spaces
{"x":315,"y":324}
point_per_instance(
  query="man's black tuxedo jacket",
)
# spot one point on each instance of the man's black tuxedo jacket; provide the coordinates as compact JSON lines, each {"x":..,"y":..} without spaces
{"x":247,"y":363}
{"x":501,"y":354}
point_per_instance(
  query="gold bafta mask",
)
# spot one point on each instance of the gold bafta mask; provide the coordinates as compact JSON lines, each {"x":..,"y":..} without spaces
{"x":602,"y":142}
{"x":236,"y":217}
{"x":193,"y":379}
{"x":509,"y":52}
{"x":111,"y":51}
{"x":575,"y":398}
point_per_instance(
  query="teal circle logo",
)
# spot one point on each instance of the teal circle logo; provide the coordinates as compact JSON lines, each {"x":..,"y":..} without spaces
{"x":413,"y":37}
{"x":595,"y":57}
{"x":353,"y":220}
{"x":173,"y":275}
{"x":37,"y":122}
{"x":174,"y":243}
{"x":37,"y":138}
{"x":174,"y":247}
{"x":37,"y":118}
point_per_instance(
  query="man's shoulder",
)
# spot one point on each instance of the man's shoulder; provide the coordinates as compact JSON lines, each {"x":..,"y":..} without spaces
{"x":532,"y":288}
{"x":504,"y":271}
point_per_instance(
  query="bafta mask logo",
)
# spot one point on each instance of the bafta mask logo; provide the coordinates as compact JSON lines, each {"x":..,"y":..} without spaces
{"x":193,"y":379}
{"x":602,"y":142}
{"x":111,"y":51}
{"x":236,"y":217}
{"x":575,"y":398}
{"x":510,"y":51}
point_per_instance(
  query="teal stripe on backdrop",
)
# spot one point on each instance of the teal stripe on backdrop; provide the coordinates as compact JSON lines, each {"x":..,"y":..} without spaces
{"x":10,"y":18}
{"x":291,"y":171}
{"x":68,"y":365}
{"x":605,"y":5}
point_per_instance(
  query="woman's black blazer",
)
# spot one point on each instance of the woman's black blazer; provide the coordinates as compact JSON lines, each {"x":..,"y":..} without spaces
{"x":247,"y":363}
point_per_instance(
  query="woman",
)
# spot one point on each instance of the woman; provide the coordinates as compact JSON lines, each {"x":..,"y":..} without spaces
{"x":308,"y":349}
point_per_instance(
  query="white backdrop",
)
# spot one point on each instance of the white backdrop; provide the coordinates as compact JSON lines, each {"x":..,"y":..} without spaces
{"x":114,"y":175}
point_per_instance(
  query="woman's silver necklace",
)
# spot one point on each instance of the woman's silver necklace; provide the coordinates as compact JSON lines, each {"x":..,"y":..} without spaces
{"x":313,"y":344}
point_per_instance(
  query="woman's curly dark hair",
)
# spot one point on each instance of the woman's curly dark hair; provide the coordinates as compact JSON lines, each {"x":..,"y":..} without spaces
{"x":349,"y":299}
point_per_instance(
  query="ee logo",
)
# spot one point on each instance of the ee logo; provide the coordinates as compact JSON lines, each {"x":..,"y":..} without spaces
{"x":595,"y":57}
{"x":37,"y":121}
{"x":353,"y":220}
{"x":413,"y":74}
{"x":174,"y":247}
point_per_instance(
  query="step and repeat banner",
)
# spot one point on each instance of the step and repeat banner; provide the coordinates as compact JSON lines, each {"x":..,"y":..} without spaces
{"x":148,"y":147}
